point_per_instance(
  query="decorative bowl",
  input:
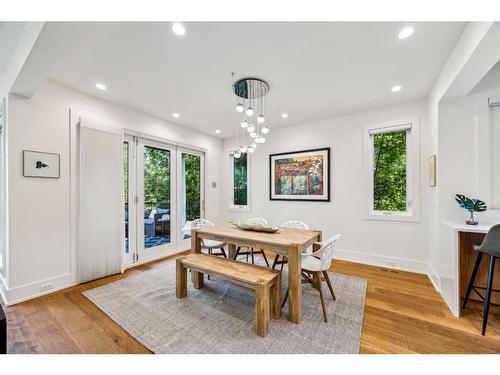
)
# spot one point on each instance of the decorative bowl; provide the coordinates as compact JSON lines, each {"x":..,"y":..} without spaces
{"x":256,"y":228}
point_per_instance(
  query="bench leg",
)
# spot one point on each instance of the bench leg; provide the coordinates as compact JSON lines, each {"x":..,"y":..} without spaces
{"x":262,"y":312}
{"x":276,"y":298}
{"x":198,"y":281}
{"x":180,"y":279}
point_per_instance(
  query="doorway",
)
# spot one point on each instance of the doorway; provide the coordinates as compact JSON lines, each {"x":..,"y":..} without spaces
{"x":164,"y":192}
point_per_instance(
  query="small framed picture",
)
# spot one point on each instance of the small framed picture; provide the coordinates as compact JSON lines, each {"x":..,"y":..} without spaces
{"x":432,"y":170}
{"x":41,"y":164}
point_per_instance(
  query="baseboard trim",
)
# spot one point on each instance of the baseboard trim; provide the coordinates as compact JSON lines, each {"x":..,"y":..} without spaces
{"x":434,"y":278}
{"x":154,"y":259}
{"x":400,"y":264}
{"x":33,"y":290}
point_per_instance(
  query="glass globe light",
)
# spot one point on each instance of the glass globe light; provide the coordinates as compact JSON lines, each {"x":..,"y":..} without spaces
{"x":262,"y":139}
{"x":261,"y":119}
{"x":264,"y":130}
{"x":251,"y":148}
{"x":239,"y":107}
{"x":254,"y":145}
{"x":250,"y":111}
{"x":250,"y":128}
{"x":253,"y":134}
{"x":243,"y":149}
{"x":237,"y":154}
{"x":244,"y":124}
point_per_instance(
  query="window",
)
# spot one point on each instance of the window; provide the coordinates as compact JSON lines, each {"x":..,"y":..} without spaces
{"x":240,"y":190}
{"x":392,"y":170}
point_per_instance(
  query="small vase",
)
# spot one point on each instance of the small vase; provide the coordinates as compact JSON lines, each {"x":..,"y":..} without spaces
{"x":471,"y":220}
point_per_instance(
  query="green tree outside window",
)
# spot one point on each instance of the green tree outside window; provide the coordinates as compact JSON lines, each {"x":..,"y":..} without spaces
{"x":191,"y":164}
{"x":240,"y":168}
{"x":389,"y":171}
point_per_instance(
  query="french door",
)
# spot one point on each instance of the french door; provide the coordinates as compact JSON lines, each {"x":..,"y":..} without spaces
{"x":163,"y":193}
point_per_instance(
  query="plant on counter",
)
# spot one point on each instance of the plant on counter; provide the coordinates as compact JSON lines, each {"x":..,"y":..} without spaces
{"x":471,"y":206}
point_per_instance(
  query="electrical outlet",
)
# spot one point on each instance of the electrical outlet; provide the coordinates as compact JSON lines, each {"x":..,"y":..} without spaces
{"x":44,"y":288}
{"x":214,"y":185}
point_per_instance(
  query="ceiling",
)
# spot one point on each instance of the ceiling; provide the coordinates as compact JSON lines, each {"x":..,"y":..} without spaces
{"x":315,"y":70}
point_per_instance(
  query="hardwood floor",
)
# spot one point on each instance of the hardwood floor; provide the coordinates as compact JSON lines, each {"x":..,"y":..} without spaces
{"x":403,"y":314}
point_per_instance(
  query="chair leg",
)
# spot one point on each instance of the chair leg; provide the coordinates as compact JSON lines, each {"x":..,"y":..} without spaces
{"x":223,"y":252}
{"x":275,"y":260}
{"x":327,"y":278}
{"x":209,"y":253}
{"x":251,"y":253}
{"x":486,"y":307}
{"x":284,"y":299}
{"x":264,"y":256}
{"x":317,"y":276}
{"x":237,"y":252}
{"x":472,"y":278}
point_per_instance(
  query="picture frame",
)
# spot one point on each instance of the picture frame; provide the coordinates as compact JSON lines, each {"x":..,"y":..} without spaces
{"x":432,"y":170}
{"x":41,"y":164}
{"x":300,"y":175}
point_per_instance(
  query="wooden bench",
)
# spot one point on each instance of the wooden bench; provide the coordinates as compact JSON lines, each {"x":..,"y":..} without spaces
{"x":266,"y":283}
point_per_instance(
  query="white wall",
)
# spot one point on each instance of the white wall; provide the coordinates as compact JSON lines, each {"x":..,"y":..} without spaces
{"x":365,"y":240}
{"x":39,"y":218}
{"x":440,"y":242}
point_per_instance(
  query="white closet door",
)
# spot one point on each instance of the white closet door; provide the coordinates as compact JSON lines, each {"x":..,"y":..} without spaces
{"x":101,"y":212}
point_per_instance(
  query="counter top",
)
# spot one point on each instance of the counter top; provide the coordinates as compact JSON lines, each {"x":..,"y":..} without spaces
{"x":482,"y":227}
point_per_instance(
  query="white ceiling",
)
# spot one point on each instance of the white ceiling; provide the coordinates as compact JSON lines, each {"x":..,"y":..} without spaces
{"x":315,"y":70}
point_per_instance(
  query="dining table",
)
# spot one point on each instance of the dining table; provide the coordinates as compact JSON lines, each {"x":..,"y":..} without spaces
{"x":289,"y":242}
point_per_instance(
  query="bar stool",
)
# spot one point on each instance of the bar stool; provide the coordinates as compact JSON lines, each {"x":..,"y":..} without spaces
{"x":490,"y":246}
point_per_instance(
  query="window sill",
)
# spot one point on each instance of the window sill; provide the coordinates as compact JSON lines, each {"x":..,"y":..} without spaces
{"x":392,"y":217}
{"x":239,"y":209}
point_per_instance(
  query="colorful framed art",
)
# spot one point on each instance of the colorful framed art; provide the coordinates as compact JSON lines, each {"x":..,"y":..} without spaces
{"x":300,"y":175}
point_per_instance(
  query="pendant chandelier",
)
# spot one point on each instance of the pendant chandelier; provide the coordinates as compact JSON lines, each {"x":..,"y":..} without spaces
{"x":251,"y":104}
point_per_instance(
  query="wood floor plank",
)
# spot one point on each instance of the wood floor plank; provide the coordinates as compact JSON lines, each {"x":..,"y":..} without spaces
{"x":403,"y":314}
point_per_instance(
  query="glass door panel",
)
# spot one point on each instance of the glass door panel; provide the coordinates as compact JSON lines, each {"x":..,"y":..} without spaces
{"x":191,"y":193}
{"x":156,"y":171}
{"x":129,"y":188}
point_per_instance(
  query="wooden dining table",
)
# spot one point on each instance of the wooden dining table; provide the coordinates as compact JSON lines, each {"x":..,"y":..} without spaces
{"x":288,"y":242}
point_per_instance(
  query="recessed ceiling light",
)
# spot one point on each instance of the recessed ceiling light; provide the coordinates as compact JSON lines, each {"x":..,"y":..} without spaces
{"x":100,"y":86}
{"x":178,"y":29}
{"x":284,"y":115}
{"x":217,"y":131}
{"x":405,"y":33}
{"x":176,"y":115}
{"x":396,"y":88}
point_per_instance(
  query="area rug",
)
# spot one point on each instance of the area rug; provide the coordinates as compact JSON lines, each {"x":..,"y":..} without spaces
{"x":220,"y":317}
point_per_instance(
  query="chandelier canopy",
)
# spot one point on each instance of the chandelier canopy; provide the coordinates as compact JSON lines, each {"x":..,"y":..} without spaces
{"x":252,"y":104}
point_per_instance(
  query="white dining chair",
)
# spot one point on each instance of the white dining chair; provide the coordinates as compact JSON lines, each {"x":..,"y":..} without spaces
{"x":251,"y":251}
{"x":209,"y":245}
{"x":315,"y":266}
{"x":294,"y":224}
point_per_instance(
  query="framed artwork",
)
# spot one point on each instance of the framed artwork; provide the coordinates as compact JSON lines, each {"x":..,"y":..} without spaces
{"x":300,"y":175}
{"x":41,"y":164}
{"x":432,"y":170}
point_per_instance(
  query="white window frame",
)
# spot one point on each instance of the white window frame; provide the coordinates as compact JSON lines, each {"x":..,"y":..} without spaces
{"x":232,"y":206}
{"x":412,"y":212}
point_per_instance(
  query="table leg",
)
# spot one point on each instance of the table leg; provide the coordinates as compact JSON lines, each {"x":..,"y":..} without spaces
{"x":294,"y":286}
{"x":231,"y":248}
{"x":196,"y":277}
{"x":316,"y":247}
